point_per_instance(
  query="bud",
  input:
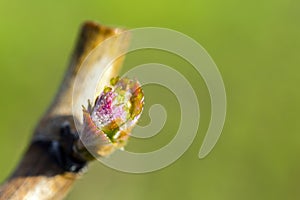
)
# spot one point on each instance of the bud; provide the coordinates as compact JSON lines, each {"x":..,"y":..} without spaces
{"x":108,"y":123}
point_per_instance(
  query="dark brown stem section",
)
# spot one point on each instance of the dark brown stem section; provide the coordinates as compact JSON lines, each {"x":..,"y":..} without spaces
{"x":41,"y":173}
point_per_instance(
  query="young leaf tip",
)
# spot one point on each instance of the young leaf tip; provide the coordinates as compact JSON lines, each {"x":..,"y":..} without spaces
{"x":108,"y":123}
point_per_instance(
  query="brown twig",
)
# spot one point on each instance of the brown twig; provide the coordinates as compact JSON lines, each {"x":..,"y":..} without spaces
{"x":49,"y":167}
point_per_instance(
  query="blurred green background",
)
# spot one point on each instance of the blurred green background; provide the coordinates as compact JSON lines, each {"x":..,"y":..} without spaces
{"x":256,"y":46}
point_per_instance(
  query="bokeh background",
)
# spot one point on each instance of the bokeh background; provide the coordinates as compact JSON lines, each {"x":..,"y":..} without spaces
{"x":256,"y":46}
